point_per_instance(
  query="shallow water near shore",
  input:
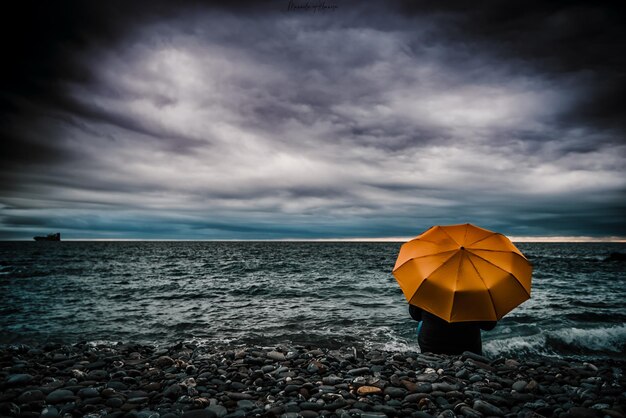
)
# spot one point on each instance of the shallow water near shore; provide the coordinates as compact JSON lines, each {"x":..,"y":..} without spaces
{"x":264,"y":293}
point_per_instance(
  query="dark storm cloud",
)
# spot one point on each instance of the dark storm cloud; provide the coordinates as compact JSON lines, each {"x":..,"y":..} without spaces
{"x":200,"y":120}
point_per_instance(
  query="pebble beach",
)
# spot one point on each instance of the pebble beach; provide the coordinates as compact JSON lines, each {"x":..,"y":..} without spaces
{"x":192,"y":380}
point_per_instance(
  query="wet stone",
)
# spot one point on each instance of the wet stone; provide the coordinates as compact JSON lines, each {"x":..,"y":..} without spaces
{"x":60,"y":395}
{"x":199,"y":413}
{"x":395,"y":392}
{"x":19,"y":379}
{"x":49,"y":412}
{"x":218,"y":410}
{"x":487,"y":409}
{"x":519,"y":386}
{"x":114,"y":402}
{"x":359,"y":371}
{"x":30,"y":396}
{"x":276,"y":355}
{"x":88,"y":393}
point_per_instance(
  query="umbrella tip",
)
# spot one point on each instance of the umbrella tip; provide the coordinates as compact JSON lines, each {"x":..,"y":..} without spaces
{"x":462,"y":247}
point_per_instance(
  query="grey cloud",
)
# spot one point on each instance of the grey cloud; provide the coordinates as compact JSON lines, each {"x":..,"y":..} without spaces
{"x":249,"y":121}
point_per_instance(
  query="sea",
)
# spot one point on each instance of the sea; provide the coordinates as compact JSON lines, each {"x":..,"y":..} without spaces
{"x":328,"y":294}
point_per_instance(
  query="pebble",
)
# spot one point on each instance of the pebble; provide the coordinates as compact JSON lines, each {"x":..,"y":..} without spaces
{"x":60,"y":395}
{"x":19,"y":379}
{"x":275,"y":355}
{"x":519,"y":386}
{"x":487,"y":409}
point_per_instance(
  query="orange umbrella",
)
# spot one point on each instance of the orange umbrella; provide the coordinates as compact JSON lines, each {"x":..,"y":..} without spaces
{"x":463,"y":273}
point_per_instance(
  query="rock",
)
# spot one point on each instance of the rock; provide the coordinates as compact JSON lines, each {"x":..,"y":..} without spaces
{"x":421,"y":414}
{"x":30,"y":396}
{"x":173,"y":391}
{"x":246,"y":405}
{"x":97,"y":375}
{"x":468,"y":412}
{"x":9,"y":409}
{"x":218,"y":410}
{"x":369,"y":390}
{"x":199,"y":413}
{"x":359,"y":371}
{"x":114,"y":402}
{"x":138,"y":400}
{"x":519,"y":386}
{"x":511,"y":364}
{"x":580,"y":412}
{"x":236,"y":396}
{"x":474,"y":356}
{"x":19,"y":379}
{"x":308,"y":414}
{"x":88,"y":393}
{"x":49,"y":412}
{"x":332,"y":380}
{"x":59,"y":396}
{"x":164,"y":361}
{"x":276,"y":355}
{"x":487,"y":409}
{"x":395,"y":392}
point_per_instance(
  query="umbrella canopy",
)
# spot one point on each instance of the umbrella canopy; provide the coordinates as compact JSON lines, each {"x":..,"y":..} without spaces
{"x":463,"y":273}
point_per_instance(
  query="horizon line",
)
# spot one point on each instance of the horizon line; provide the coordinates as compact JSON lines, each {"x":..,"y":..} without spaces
{"x":522,"y":239}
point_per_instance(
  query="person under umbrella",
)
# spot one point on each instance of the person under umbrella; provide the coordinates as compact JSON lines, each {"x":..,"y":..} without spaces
{"x":459,"y":279}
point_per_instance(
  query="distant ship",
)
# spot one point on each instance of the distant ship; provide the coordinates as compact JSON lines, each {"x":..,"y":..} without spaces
{"x":51,"y":237}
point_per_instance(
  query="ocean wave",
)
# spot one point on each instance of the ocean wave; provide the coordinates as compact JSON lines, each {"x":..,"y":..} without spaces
{"x":563,"y":342}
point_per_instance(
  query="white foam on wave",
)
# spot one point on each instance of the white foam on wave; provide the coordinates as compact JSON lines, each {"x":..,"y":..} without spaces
{"x":388,"y":340}
{"x":552,"y":343}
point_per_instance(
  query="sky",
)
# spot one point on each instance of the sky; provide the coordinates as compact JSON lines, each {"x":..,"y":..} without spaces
{"x":285,"y":120}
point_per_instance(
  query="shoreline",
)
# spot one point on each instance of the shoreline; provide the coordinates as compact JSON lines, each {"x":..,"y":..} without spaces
{"x":195,"y":381}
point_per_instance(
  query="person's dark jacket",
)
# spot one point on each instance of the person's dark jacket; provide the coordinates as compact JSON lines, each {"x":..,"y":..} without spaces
{"x":438,"y":336}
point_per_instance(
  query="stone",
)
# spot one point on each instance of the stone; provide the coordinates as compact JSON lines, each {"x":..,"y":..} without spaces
{"x":138,"y":400}
{"x":114,"y":402}
{"x":276,"y":355}
{"x":369,"y":390}
{"x":474,"y":356}
{"x":49,"y":412}
{"x":487,"y":409}
{"x":580,"y":412}
{"x":359,"y":371}
{"x":332,"y":380}
{"x":246,"y":405}
{"x":291,"y":388}
{"x":199,"y":413}
{"x":218,"y":410}
{"x":19,"y":379}
{"x":164,"y":361}
{"x":173,"y":391}
{"x":30,"y":396}
{"x":519,"y":386}
{"x":88,"y":393}
{"x":59,"y":396}
{"x":395,"y":392}
{"x":236,"y":396}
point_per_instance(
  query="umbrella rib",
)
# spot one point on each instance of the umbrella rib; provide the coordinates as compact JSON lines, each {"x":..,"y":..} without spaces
{"x":483,"y":238}
{"x":500,"y":251}
{"x":507,"y":272}
{"x":453,"y":240}
{"x":493,"y":303}
{"x":422,"y":256}
{"x":433,"y":272}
